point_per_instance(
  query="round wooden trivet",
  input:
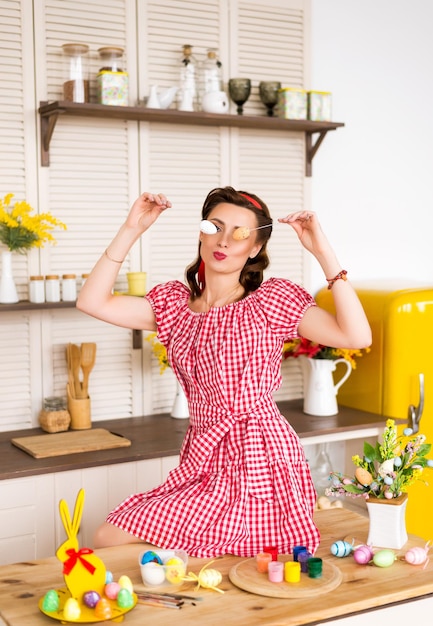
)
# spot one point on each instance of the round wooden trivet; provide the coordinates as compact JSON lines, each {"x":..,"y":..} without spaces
{"x":245,"y":576}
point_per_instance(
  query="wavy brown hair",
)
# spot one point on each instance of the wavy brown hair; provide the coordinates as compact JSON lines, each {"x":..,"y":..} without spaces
{"x":252,"y":273}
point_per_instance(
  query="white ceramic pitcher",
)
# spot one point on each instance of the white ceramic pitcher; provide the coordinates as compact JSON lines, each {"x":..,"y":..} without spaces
{"x":320,"y":392}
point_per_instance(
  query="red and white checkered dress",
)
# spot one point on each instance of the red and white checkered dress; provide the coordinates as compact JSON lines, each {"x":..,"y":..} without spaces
{"x":243,"y":482}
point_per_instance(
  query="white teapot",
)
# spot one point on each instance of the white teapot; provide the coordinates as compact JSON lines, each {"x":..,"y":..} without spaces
{"x":160,"y":98}
{"x":215,"y":102}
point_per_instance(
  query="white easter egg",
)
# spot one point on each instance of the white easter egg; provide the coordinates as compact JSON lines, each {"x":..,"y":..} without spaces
{"x":207,"y":227}
{"x":152,"y":574}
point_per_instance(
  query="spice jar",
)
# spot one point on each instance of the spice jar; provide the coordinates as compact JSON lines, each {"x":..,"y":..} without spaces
{"x":69,"y":287}
{"x":36,"y":289}
{"x":52,"y":288}
{"x":76,"y":85}
{"x":54,"y":416}
{"x":112,"y":80}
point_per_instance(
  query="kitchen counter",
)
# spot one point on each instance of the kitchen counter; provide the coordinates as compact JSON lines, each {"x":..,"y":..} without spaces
{"x":161,"y":435}
{"x":364,"y":588}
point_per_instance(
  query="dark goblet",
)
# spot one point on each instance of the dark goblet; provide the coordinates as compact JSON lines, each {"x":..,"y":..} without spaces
{"x":268,"y":92}
{"x":239,"y":90}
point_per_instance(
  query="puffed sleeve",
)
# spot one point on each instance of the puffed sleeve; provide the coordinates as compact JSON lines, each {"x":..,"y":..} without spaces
{"x":168,"y":301}
{"x":284,"y":304}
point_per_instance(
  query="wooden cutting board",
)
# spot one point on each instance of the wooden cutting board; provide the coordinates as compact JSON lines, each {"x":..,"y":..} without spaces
{"x":70,"y":442}
{"x":245,"y":576}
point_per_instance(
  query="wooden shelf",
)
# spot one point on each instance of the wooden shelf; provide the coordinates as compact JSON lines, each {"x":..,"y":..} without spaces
{"x":49,"y":113}
{"x":26,"y":305}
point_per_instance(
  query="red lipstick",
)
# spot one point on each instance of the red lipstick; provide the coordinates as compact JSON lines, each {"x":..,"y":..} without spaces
{"x":219,"y":256}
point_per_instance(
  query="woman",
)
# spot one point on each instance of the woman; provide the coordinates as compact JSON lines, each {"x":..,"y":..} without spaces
{"x":243,"y":482}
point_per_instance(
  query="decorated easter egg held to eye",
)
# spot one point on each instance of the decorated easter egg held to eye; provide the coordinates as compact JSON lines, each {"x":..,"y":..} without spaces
{"x":384,"y":558}
{"x":341,"y":548}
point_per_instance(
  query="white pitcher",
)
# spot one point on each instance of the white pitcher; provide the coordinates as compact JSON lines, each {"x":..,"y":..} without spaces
{"x":320,"y":392}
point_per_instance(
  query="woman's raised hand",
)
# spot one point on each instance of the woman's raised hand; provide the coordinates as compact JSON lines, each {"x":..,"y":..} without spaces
{"x":307,"y":227}
{"x":146,"y":209}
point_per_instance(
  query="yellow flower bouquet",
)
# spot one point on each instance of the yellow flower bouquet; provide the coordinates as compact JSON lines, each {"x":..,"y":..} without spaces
{"x":159,"y":351}
{"x":386,"y":470}
{"x":304,"y":347}
{"x":20,"y":230}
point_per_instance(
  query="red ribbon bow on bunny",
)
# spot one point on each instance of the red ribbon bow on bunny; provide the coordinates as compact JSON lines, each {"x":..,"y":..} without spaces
{"x":74,"y":556}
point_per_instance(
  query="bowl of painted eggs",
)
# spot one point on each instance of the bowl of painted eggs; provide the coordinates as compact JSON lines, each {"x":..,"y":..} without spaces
{"x":159,"y":567}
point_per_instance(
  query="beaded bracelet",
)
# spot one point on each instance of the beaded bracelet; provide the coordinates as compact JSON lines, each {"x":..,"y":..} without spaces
{"x":109,"y":257}
{"x":342,"y":275}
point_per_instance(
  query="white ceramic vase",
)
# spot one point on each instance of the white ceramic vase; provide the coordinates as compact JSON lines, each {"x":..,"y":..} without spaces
{"x":387,"y":528}
{"x":180,"y":408}
{"x":8,"y":290}
{"x":320,"y":392}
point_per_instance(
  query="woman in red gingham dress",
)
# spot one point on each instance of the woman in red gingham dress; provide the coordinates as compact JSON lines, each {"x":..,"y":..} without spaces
{"x":243,"y":481}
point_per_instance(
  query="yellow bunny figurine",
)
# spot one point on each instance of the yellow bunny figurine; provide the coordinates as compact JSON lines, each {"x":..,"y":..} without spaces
{"x":82,"y":569}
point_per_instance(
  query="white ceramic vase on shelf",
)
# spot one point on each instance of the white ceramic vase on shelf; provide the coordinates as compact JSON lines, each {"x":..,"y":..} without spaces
{"x":180,"y":408}
{"x":387,"y":526}
{"x":8,"y":290}
{"x":320,"y":392}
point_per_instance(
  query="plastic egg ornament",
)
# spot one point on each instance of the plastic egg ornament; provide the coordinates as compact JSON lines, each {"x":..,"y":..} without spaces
{"x":103,"y":610}
{"x":111,"y":590}
{"x":71,"y":610}
{"x":363,"y":555}
{"x":91,"y":599}
{"x":126,"y":583}
{"x":125,"y":599}
{"x":51,"y":601}
{"x":108,"y":577}
{"x":416,"y":556}
{"x":384,"y":558}
{"x":341,"y":548}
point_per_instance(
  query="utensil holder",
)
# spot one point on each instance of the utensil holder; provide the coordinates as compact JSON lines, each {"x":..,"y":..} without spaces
{"x":79,"y":410}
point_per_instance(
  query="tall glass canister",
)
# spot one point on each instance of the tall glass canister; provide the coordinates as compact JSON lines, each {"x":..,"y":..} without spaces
{"x":76,"y":61}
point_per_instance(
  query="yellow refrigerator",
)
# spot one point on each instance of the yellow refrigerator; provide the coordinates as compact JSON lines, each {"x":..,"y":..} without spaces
{"x":395,"y":378}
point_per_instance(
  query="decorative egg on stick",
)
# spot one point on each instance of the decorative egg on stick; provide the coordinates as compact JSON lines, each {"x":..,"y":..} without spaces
{"x":242,"y":232}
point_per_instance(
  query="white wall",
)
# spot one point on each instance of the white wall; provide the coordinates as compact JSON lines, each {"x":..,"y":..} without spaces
{"x":372,"y":182}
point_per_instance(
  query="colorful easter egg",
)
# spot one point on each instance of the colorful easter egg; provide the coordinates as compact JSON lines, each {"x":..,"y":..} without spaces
{"x":363,"y":555}
{"x":175,"y":570}
{"x":71,"y":610}
{"x":108,"y":577}
{"x":363,"y":476}
{"x":91,"y":599}
{"x":151,"y":557}
{"x":341,"y":548}
{"x":125,"y":599}
{"x":416,"y":556}
{"x":126,"y":583}
{"x":51,"y":601}
{"x":111,"y":590}
{"x":103,"y":609}
{"x":384,"y":558}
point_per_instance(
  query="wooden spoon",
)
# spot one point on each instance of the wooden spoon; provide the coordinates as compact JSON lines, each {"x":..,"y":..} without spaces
{"x":75,"y":366}
{"x":88,"y":356}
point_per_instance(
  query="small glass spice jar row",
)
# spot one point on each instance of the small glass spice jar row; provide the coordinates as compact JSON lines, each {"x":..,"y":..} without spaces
{"x":51,"y":289}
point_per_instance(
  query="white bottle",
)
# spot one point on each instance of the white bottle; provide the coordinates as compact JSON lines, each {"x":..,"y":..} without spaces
{"x":36,"y":289}
{"x":211,"y":73}
{"x":188,"y":90}
{"x":52,"y":288}
{"x":69,"y":287}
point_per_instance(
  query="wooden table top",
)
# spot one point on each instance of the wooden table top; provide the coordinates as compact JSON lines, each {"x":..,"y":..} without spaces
{"x":156,"y":436}
{"x":363,"y":587}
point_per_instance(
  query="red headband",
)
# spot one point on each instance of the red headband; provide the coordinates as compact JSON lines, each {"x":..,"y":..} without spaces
{"x":254,"y":202}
